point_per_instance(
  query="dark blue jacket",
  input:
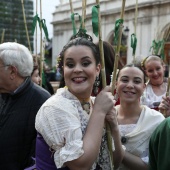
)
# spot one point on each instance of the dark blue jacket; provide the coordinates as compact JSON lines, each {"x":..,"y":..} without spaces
{"x":17,"y":125}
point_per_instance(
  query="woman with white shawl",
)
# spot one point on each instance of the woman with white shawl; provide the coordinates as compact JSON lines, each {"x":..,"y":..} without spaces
{"x":135,"y":122}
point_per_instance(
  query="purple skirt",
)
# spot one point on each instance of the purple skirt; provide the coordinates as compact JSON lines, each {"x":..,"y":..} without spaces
{"x":44,"y":157}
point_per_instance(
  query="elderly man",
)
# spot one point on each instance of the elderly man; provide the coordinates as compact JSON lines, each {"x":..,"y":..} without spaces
{"x":20,"y":100}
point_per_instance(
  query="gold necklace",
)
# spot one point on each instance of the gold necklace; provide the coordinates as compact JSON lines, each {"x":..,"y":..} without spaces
{"x":86,"y":106}
{"x":85,"y":103}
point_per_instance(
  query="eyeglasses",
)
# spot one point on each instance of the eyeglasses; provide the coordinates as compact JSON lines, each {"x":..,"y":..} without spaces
{"x":4,"y":66}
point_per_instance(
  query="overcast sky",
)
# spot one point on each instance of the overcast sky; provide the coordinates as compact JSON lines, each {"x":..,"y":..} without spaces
{"x":48,"y":7}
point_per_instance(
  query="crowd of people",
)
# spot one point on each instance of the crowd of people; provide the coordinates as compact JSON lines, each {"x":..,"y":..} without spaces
{"x":66,"y":129}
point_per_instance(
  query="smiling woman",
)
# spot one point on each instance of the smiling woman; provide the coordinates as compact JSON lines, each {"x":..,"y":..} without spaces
{"x":135,"y":122}
{"x":70,"y":124}
{"x":156,"y":87}
{"x":80,"y":72}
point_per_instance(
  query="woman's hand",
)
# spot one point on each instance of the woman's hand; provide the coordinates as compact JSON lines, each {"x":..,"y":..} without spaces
{"x":111,"y":118}
{"x":165,"y":106}
{"x":104,"y":101}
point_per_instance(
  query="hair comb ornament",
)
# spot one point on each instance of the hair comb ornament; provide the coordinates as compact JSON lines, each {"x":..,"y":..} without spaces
{"x":59,"y":63}
{"x":82,"y":34}
{"x":143,"y":62}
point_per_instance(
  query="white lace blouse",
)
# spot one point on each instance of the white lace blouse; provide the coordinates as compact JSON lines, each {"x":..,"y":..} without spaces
{"x":150,"y":99}
{"x":62,"y":123}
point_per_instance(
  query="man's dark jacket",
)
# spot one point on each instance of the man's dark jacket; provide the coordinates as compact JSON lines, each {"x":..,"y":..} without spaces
{"x":17,"y":125}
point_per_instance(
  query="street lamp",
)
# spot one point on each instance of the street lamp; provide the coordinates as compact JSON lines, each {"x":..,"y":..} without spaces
{"x":126,"y":31}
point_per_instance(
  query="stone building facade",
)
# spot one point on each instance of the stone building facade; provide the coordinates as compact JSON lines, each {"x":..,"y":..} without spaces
{"x":153,"y":22}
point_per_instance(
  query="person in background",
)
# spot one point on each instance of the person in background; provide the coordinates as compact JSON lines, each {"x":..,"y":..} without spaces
{"x":19,"y":104}
{"x":58,"y":75}
{"x":45,"y":79}
{"x":109,"y":57}
{"x":70,"y":125}
{"x":159,"y":146}
{"x":35,"y":75}
{"x":135,"y":122}
{"x":156,"y":87}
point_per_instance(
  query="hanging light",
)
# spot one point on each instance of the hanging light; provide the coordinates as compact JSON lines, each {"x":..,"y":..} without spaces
{"x":126,"y":31}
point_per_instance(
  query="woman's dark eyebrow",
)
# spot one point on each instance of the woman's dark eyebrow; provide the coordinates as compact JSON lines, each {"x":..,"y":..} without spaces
{"x":137,"y":78}
{"x":86,"y":57}
{"x":81,"y":58}
{"x":128,"y":77}
{"x":69,"y":59}
{"x":124,"y":77}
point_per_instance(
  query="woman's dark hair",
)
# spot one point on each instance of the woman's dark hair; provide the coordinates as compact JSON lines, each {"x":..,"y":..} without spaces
{"x":149,"y":58}
{"x":76,"y":42}
{"x":109,"y":58}
{"x":137,"y":65}
{"x":35,"y":67}
{"x":36,"y":61}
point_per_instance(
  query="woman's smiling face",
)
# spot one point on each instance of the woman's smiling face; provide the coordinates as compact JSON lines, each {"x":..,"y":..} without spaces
{"x":155,"y":71}
{"x":130,"y":84}
{"x":80,"y":70}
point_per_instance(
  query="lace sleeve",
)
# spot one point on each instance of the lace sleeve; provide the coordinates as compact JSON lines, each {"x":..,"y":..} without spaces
{"x":61,"y":129}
